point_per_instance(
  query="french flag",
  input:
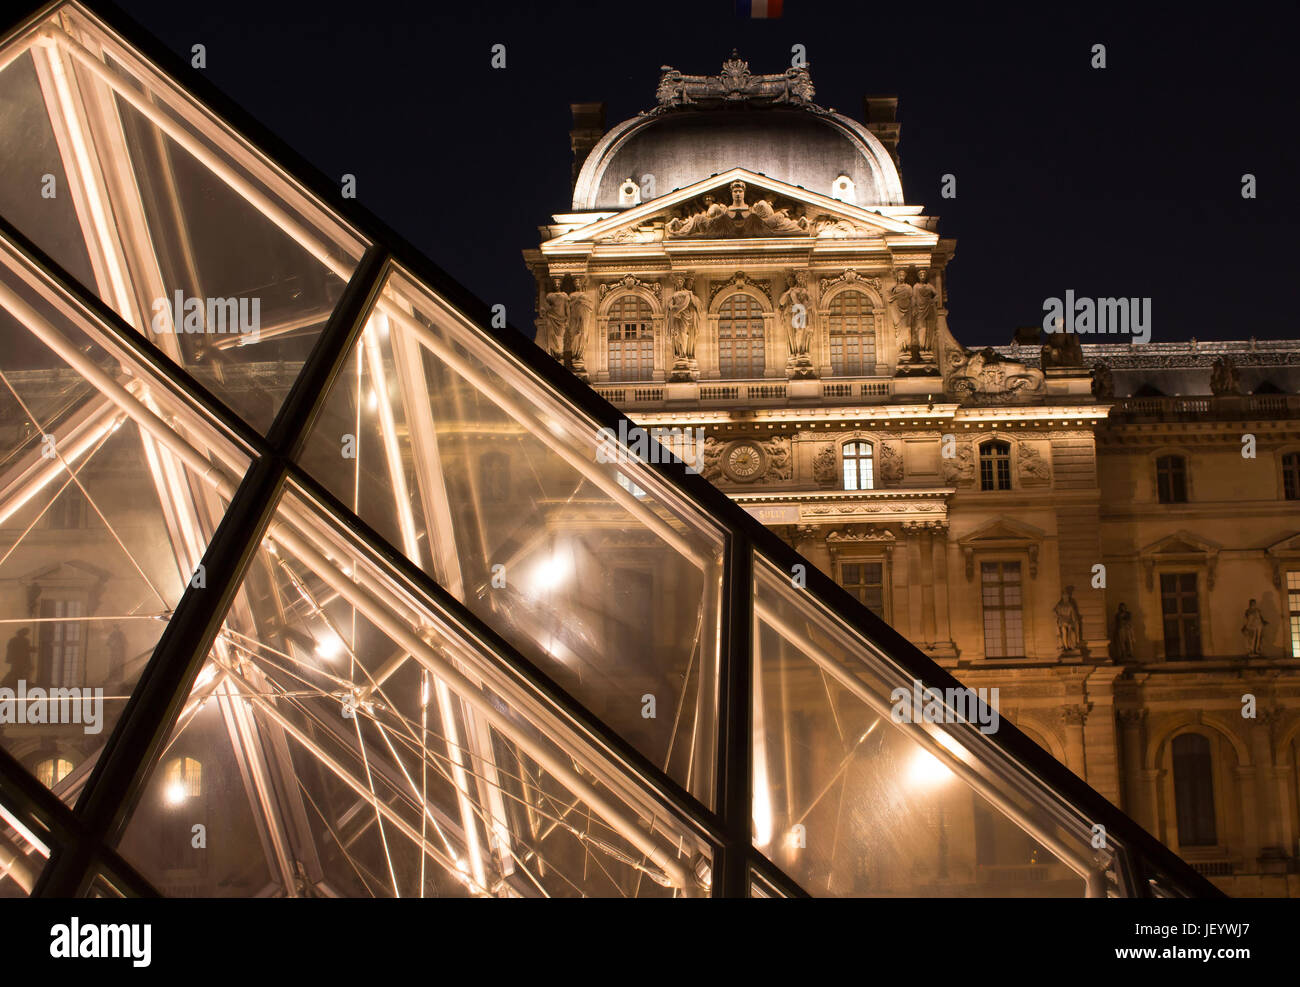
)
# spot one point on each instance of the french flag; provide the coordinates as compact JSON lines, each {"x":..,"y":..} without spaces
{"x":758,"y":8}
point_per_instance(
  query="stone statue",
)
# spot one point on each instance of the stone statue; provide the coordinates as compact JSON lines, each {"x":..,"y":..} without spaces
{"x":825,"y":466}
{"x":776,"y":220}
{"x":1068,"y":622}
{"x":925,"y":307}
{"x":1061,"y":349}
{"x":701,"y":223}
{"x":1122,"y":636}
{"x":555,"y":317}
{"x":18,"y":653}
{"x":1103,"y":381}
{"x":796,"y":311}
{"x":1224,"y":378}
{"x":901,"y":297}
{"x":1252,"y":629}
{"x":576,"y":337}
{"x":684,"y":317}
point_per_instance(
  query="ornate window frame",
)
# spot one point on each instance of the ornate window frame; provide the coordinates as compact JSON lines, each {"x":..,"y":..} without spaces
{"x":605,"y":306}
{"x":710,"y":352}
{"x":1012,"y":462}
{"x":823,"y":334}
{"x":1180,"y":552}
{"x":855,"y":544}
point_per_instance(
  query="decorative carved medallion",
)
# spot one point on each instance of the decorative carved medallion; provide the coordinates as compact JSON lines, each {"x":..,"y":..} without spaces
{"x":735,"y":84}
{"x":850,"y":276}
{"x":628,"y":281}
{"x":741,"y":280}
{"x":987,"y":377}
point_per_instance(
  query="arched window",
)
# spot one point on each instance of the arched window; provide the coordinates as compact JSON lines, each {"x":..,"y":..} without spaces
{"x":1194,"y":790}
{"x":740,"y":337}
{"x":1171,"y":479}
{"x":852,"y":335}
{"x":631,"y":339}
{"x":52,"y":770}
{"x":183,"y":780}
{"x":856,"y":459}
{"x":995,"y":465}
{"x":1291,"y":475}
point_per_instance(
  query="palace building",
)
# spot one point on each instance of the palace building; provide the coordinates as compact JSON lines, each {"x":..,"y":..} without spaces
{"x":1106,"y":533}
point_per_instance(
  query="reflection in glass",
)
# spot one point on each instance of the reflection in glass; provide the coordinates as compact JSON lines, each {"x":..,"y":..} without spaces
{"x":110,"y":488}
{"x":850,"y":802}
{"x":346,"y":739}
{"x":456,"y":454}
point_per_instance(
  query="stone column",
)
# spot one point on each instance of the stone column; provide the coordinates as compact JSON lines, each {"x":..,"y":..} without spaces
{"x":944,"y":647}
{"x":1074,"y":715}
{"x":1133,"y":741}
{"x":1271,"y":853}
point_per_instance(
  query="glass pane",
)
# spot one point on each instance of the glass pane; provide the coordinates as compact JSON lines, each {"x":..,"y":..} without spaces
{"x":24,"y":852}
{"x":596,"y":570}
{"x":191,"y":235}
{"x":110,"y":487}
{"x":347,"y":738}
{"x":854,"y":796}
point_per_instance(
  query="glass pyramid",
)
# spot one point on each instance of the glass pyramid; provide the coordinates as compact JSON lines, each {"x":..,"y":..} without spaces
{"x":357,"y":597}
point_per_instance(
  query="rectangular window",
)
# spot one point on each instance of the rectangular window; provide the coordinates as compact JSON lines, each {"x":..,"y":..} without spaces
{"x":1171,"y":479}
{"x":1181,"y":615}
{"x":62,"y":654}
{"x":1293,"y":609}
{"x":866,"y":581}
{"x":1004,"y":632}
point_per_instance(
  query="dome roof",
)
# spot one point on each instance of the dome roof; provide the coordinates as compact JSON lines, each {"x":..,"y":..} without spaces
{"x":706,"y":126}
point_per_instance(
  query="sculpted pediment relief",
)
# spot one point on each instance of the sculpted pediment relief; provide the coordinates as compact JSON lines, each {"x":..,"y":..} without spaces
{"x":1180,"y":547}
{"x":737,"y":205}
{"x":986,"y":377}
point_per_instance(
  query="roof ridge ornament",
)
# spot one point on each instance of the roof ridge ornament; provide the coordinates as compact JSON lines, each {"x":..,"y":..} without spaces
{"x":735,"y":84}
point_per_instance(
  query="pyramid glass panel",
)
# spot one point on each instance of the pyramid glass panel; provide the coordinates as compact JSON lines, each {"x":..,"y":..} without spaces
{"x":23,"y":854}
{"x":596,"y":569}
{"x":110,"y":488}
{"x":193,"y":237}
{"x":347,"y":737}
{"x":855,"y":794}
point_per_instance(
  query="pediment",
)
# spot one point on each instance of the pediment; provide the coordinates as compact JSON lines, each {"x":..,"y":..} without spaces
{"x":1180,"y":543}
{"x":1002,"y":533}
{"x":739,"y":204}
{"x":1283,"y":554}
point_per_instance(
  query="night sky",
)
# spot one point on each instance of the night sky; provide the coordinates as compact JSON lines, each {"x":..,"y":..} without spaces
{"x":1121,"y":181}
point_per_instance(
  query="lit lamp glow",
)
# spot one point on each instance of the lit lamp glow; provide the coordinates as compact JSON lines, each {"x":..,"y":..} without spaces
{"x":927,"y":771}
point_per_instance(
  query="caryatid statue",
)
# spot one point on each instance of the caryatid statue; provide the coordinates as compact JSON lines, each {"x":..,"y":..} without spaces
{"x":1068,"y":621}
{"x":555,"y":317}
{"x":1252,"y":629}
{"x":796,"y":311}
{"x":901,"y":297}
{"x":684,"y":316}
{"x":576,"y":340}
{"x":925,"y":309}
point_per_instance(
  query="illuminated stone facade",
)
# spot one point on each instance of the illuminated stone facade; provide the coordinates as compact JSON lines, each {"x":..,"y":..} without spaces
{"x":1107,"y":532}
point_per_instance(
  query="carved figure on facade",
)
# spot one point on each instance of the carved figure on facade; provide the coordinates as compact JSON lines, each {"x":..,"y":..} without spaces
{"x":684,"y":317}
{"x":579,"y":309}
{"x":1034,"y":469}
{"x":796,"y":306}
{"x":734,"y":84}
{"x":1122,"y":634}
{"x":1252,"y":629}
{"x":715,"y":220}
{"x":900,"y":297}
{"x":825,"y":467}
{"x":777,"y":454}
{"x":1068,"y":622}
{"x":986,"y":377}
{"x":1224,"y":378}
{"x":960,"y":469}
{"x":1060,"y":349}
{"x":711,"y":458}
{"x":891,"y":463}
{"x":925,"y":309}
{"x":555,"y":318}
{"x":1103,"y":381}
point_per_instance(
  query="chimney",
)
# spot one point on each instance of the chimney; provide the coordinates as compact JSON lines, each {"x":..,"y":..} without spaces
{"x":882,"y":120}
{"x":588,"y":129}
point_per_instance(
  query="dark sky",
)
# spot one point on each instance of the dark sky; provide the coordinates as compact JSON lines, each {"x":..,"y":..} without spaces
{"x":1122,"y":181}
